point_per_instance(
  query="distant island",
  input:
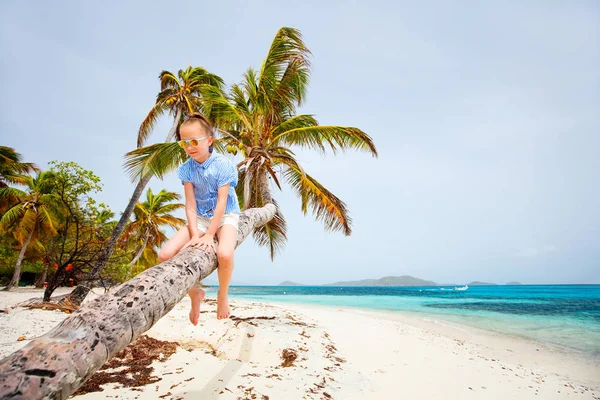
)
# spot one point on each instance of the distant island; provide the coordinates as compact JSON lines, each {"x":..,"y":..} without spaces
{"x":404,"y":280}
{"x":477,"y":283}
{"x":290,"y":283}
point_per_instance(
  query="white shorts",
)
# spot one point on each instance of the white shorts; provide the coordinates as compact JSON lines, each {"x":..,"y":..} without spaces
{"x":228,"y":219}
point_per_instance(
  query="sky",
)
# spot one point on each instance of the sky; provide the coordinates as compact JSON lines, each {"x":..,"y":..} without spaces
{"x":485,"y":116}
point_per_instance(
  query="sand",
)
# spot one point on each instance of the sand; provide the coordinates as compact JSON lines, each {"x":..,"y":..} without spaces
{"x":284,"y":351}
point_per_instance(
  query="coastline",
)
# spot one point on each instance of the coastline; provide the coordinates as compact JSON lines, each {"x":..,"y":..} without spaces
{"x":341,"y":353}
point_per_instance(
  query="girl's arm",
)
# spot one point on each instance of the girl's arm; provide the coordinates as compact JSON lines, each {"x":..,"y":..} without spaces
{"x":209,"y":236}
{"x":190,"y":213}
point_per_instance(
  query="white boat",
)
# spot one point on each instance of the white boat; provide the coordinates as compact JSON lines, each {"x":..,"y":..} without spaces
{"x":462,"y":288}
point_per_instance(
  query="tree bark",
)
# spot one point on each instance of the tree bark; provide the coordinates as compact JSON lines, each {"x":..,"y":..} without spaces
{"x":265,"y":191}
{"x":76,"y":297}
{"x":40,"y":282}
{"x":14,"y":281}
{"x":57,"y":364}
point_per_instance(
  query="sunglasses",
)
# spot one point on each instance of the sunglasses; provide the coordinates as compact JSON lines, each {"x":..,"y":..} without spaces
{"x":191,"y":142}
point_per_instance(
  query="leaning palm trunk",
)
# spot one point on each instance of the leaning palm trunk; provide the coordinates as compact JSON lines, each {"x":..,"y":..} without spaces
{"x":57,"y":364}
{"x":14,"y":281}
{"x":75,"y":298}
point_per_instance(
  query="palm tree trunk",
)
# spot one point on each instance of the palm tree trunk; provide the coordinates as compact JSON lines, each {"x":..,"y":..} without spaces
{"x":139,"y":253}
{"x":57,"y":364}
{"x":174,"y":127}
{"x":40,"y":282}
{"x":265,"y":191}
{"x":15,"y":278}
{"x":76,"y":297}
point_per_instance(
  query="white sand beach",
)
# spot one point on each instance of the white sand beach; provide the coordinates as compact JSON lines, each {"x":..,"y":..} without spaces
{"x":330,"y":352}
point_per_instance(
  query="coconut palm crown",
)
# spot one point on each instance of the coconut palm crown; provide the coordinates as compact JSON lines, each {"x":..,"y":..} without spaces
{"x":150,"y":217}
{"x":35,"y":209}
{"x":12,"y":169}
{"x":179,"y":96}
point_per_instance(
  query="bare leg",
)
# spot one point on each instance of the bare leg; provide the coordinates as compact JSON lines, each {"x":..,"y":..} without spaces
{"x":197,"y":295}
{"x":169,"y":250}
{"x":227,"y":236}
{"x":173,"y":245}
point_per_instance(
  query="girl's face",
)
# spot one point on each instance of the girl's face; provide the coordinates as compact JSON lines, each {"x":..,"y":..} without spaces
{"x":194,"y":130}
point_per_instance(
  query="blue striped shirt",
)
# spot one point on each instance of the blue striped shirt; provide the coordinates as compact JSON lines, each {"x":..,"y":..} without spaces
{"x":207,"y":177}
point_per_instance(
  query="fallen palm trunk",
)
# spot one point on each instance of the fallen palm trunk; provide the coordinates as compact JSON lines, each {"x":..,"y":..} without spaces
{"x":56,"y":364}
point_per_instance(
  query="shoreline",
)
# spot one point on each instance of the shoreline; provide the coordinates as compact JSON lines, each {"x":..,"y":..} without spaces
{"x":426,"y":320}
{"x":334,"y":352}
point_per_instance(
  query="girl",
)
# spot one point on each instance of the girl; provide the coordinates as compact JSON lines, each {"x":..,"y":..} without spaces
{"x":211,"y":205}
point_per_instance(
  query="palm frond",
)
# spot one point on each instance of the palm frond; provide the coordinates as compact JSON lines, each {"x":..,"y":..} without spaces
{"x":298,"y":121}
{"x":287,"y":51}
{"x":325,"y":206}
{"x":47,"y":220}
{"x":9,"y":195}
{"x":157,"y":159}
{"x":148,"y":122}
{"x":291,"y":89}
{"x":273,"y":234}
{"x":26,"y":224}
{"x":338,"y":137}
{"x":200,"y":77}
{"x":13,"y":214}
{"x":11,"y":165}
{"x":168,"y":208}
{"x":220,"y":145}
{"x":173,"y":222}
{"x":165,"y":196}
{"x":221,"y":111}
{"x":239,"y":99}
{"x":168,"y":80}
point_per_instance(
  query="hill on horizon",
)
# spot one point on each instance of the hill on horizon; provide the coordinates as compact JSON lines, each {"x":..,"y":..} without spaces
{"x":478,"y":283}
{"x":290,"y":283}
{"x":404,"y":280}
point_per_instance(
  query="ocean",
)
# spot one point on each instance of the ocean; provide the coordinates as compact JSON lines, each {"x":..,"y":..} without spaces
{"x":562,"y":315}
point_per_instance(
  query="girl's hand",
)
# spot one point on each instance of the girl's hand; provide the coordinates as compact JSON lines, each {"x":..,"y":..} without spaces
{"x":192,"y":242}
{"x":207,"y":243}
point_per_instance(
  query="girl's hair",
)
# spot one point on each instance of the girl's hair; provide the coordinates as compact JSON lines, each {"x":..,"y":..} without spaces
{"x":204,"y":124}
{"x":199,"y":118}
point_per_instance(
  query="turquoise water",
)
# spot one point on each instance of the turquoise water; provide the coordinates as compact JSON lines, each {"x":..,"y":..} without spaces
{"x":562,"y":315}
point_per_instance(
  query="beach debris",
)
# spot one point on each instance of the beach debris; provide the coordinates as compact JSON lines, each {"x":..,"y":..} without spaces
{"x":21,"y":338}
{"x":288,"y":356}
{"x":131,"y":367}
{"x":304,"y":334}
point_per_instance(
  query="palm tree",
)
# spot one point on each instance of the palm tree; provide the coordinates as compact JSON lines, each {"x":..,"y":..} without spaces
{"x":12,"y":169}
{"x":179,"y":96}
{"x":258,"y":118}
{"x":36,"y":209}
{"x":150,"y":217}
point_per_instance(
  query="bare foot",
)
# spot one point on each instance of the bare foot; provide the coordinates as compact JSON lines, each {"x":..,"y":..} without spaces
{"x":197,"y":295}
{"x":222,"y":306}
